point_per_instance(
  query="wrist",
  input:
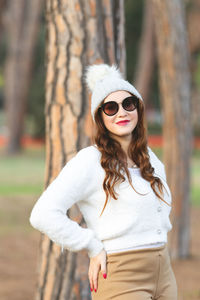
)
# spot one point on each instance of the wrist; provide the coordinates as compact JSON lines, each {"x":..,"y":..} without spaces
{"x":94,"y":247}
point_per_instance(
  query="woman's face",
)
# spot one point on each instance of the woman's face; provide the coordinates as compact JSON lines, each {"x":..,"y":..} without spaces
{"x":123,"y":122}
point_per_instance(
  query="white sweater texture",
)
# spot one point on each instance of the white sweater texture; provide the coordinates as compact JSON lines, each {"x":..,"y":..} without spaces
{"x":130,"y":221}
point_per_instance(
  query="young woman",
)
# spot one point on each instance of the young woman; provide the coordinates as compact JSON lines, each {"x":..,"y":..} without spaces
{"x":120,"y":186}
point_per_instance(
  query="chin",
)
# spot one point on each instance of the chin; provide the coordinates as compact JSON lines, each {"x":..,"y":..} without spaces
{"x":122,"y":134}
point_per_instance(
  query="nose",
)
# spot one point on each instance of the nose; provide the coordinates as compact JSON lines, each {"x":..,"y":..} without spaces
{"x":121,"y":112}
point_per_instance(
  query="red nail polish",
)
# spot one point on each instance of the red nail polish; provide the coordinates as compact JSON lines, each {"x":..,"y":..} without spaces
{"x":91,"y":289}
{"x":95,"y":290}
{"x":105,"y":275}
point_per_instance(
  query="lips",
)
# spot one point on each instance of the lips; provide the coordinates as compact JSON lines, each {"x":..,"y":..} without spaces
{"x":123,"y":122}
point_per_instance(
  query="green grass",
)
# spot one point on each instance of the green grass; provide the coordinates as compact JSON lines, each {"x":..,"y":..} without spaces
{"x":22,"y":174}
{"x":21,"y":183}
{"x":195,"y":177}
{"x":14,"y":214}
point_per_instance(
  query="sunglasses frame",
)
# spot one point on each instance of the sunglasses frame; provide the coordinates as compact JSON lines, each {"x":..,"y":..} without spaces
{"x":136,"y":100}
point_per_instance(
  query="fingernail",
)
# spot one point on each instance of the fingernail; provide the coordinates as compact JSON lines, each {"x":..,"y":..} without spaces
{"x":91,"y":289}
{"x":95,"y":290}
{"x":105,"y":275}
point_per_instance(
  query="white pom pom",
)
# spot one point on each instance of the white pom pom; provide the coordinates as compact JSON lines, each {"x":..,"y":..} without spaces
{"x":96,"y":73}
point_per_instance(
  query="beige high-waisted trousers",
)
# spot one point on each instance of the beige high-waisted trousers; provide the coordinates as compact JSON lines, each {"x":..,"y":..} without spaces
{"x":141,"y":274}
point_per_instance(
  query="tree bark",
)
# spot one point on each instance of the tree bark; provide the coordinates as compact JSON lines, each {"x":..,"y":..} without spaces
{"x":146,"y":59}
{"x":175,"y":93}
{"x":78,"y":33}
{"x":119,"y":34}
{"x":193,"y":20}
{"x":21,"y":26}
{"x":2,"y":12}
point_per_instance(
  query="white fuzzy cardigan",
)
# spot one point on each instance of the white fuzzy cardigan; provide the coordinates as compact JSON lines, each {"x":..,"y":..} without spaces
{"x":131,"y":220}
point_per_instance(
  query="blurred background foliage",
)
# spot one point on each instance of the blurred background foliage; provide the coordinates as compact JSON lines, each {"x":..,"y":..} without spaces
{"x":35,"y":123}
{"x":37,"y":88}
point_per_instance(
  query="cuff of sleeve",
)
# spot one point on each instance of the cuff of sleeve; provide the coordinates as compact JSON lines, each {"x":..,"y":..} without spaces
{"x":94,"y":247}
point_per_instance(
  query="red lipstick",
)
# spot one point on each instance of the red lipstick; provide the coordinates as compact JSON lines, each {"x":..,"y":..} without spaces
{"x":124,"y":122}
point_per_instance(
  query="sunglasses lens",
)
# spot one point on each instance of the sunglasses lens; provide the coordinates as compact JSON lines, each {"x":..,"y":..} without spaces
{"x":129,"y":103}
{"x":110,"y":108}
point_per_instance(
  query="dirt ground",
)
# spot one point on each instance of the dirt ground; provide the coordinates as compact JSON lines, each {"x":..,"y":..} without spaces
{"x":19,"y":256}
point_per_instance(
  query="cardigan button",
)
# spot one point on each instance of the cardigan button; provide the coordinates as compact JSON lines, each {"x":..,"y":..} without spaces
{"x":159,"y":208}
{"x":159,"y":231}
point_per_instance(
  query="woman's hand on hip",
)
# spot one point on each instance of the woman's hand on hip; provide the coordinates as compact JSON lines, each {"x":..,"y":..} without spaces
{"x":97,"y":263}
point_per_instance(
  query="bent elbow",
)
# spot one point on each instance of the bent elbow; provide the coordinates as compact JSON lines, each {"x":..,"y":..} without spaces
{"x":36,"y":218}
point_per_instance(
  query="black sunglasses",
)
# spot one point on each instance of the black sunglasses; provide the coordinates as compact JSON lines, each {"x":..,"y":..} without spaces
{"x":110,"y":108}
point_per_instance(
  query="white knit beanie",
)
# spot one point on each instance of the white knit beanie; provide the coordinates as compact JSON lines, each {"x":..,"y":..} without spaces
{"x":102,"y":80}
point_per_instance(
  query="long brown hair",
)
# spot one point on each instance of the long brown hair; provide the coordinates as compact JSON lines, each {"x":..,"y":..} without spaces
{"x":114,"y":159}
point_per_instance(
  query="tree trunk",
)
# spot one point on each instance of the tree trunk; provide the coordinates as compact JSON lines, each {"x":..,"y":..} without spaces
{"x":2,"y":12}
{"x":144,"y":71}
{"x":21,"y":26}
{"x":119,"y":34}
{"x":78,"y":33}
{"x":175,"y":91}
{"x":193,"y":21}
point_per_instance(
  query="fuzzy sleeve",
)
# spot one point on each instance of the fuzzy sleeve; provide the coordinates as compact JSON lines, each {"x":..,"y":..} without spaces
{"x":49,"y":213}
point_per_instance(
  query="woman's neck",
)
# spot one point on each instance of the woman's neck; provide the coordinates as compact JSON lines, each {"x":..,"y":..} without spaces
{"x":124,"y":142}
